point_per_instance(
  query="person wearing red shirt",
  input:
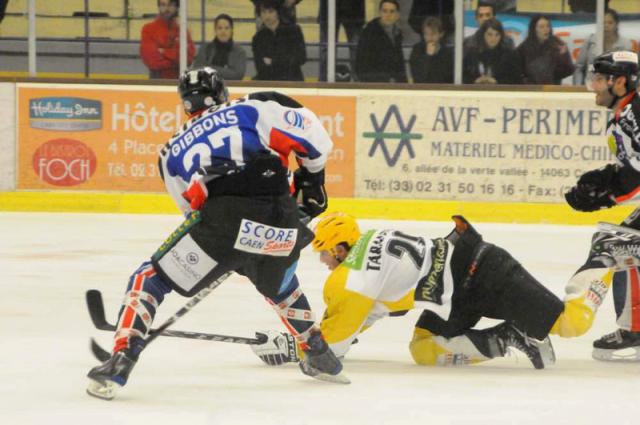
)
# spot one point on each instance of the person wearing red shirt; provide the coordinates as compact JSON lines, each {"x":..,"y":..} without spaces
{"x":160,"y":42}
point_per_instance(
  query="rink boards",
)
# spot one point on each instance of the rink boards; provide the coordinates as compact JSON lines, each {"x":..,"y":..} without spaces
{"x":403,"y":154}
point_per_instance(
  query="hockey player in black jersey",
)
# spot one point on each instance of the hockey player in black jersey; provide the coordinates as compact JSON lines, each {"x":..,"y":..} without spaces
{"x":613,"y":77}
{"x":227,"y":170}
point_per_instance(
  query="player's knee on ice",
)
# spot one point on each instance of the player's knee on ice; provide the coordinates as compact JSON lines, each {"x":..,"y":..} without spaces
{"x":424,"y":349}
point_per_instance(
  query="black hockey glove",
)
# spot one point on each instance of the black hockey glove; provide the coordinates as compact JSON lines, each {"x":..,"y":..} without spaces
{"x":314,"y":196}
{"x":593,"y":191}
{"x":599,"y":179}
{"x":581,"y":198}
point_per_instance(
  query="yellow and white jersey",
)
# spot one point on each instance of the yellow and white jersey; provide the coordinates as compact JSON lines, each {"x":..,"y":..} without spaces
{"x":386,"y":271}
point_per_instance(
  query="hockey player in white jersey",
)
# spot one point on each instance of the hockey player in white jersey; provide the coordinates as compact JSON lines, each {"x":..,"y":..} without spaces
{"x":613,"y":77}
{"x":455,"y":280}
{"x":227,"y":170}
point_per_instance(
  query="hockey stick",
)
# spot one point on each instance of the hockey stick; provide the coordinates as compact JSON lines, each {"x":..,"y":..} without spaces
{"x":96,"y":311}
{"x":99,"y":351}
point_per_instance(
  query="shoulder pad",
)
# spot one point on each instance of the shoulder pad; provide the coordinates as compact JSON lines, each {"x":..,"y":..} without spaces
{"x":282,"y":99}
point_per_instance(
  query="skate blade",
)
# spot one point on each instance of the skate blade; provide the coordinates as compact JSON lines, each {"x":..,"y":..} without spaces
{"x":340,"y":378}
{"x":547,"y":353}
{"x":105,"y":391}
{"x":623,"y":355}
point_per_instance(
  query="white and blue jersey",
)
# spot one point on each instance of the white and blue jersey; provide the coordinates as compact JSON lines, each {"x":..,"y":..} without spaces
{"x":233,"y":132}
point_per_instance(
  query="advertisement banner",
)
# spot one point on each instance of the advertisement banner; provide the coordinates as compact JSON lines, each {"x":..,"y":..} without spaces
{"x":108,"y":139}
{"x":478,"y":146}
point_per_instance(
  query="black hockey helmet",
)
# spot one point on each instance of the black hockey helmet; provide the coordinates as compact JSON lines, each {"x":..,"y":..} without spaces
{"x":201,"y":88}
{"x":620,"y":63}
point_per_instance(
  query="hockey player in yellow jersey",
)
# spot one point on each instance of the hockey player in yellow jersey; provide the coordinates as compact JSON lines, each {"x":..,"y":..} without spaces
{"x":455,"y":280}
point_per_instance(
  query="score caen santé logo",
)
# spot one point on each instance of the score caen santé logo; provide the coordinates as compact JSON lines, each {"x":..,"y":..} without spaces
{"x":65,"y":113}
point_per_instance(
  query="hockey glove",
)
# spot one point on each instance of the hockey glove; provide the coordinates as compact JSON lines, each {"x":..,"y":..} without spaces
{"x":594,"y":190}
{"x":279,"y":349}
{"x":197,"y":192}
{"x":599,"y":179}
{"x":587,"y":199}
{"x":314,"y":196}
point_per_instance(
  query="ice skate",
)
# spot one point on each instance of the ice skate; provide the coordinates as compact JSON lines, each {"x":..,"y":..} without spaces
{"x":540,"y":353}
{"x":106,"y":379}
{"x":621,"y":346}
{"x":320,"y":362}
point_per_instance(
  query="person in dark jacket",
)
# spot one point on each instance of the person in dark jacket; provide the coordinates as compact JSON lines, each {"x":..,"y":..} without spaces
{"x":442,"y":9}
{"x":544,"y":57}
{"x":278,"y":50}
{"x":222,"y":54}
{"x":492,"y":61}
{"x":430,"y":60}
{"x":379,"y":55}
{"x":485,"y":10}
{"x":286,"y":10}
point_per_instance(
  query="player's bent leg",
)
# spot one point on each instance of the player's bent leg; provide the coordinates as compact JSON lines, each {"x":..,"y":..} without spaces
{"x":428,"y":349}
{"x":518,"y":297}
{"x":294,"y":310}
{"x":584,"y":294}
{"x":145,"y":291}
{"x":476,"y":346}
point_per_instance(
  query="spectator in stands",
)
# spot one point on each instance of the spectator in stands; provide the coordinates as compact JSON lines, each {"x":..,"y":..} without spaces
{"x":492,"y":62}
{"x":286,"y":10}
{"x":545,"y":59}
{"x":484,"y":11}
{"x":222,"y":54}
{"x":379,"y":54}
{"x":430,"y":60}
{"x":349,"y":14}
{"x":278,"y":50}
{"x":442,"y":9}
{"x":612,"y":42}
{"x":160,"y":42}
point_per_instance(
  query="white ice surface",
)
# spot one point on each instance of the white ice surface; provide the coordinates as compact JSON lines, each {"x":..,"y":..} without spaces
{"x":48,"y":261}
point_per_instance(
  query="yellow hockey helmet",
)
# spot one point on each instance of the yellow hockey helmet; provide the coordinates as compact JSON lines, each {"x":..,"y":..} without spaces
{"x":334,"y":228}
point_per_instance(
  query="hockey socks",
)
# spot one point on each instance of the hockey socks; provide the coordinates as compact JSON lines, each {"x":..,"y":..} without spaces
{"x":295,"y":312}
{"x":584,"y":294}
{"x":145,"y":292}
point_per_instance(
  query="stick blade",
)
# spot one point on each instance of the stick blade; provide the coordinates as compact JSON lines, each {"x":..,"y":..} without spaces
{"x":96,"y":310}
{"x":99,"y":352}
